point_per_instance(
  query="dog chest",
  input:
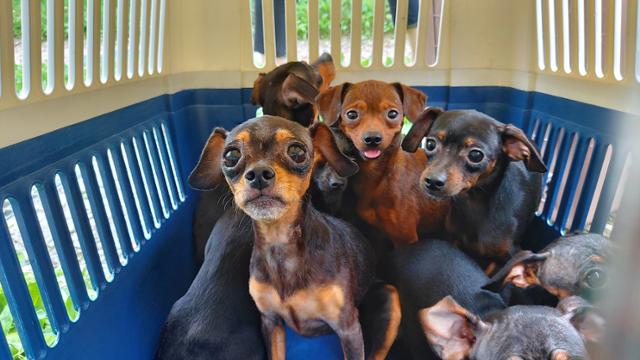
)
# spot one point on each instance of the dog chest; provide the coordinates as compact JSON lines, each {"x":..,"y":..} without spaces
{"x":323,"y":302}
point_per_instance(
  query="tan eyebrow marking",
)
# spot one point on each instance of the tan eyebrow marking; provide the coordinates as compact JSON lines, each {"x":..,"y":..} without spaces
{"x":283,"y":134}
{"x":441,"y":135}
{"x":243,"y":136}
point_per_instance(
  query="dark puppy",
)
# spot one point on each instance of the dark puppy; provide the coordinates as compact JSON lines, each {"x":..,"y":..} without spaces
{"x":517,"y":333}
{"x":443,"y":299}
{"x":289,"y":91}
{"x":370,"y":114}
{"x":571,"y":265}
{"x":491,"y":173}
{"x":308,"y":270}
{"x":216,"y":318}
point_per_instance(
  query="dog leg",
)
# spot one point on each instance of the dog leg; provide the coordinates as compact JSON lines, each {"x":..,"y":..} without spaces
{"x":380,"y":316}
{"x":350,"y":334}
{"x":273,"y":332}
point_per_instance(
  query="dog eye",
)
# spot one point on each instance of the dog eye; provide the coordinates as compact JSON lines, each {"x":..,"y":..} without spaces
{"x":297,"y":153}
{"x":431,"y":144}
{"x":352,"y":115}
{"x":595,"y":278}
{"x":475,"y":156}
{"x":231,"y":157}
{"x":392,"y":114}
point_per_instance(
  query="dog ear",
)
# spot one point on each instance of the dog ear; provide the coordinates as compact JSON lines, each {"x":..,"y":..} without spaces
{"x":296,"y":90}
{"x":327,"y":70}
{"x":420,"y":129}
{"x":329,"y":103}
{"x":584,"y":317}
{"x":208,"y":172}
{"x":450,"y":329}
{"x":517,"y":146}
{"x":521,"y":270}
{"x":326,"y":148}
{"x":413,"y":101}
{"x":256,"y":99}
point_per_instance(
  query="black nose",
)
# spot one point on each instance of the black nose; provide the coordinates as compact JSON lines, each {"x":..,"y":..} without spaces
{"x":260,"y":177}
{"x":435,"y":182}
{"x":372,"y":138}
{"x":337,"y":184}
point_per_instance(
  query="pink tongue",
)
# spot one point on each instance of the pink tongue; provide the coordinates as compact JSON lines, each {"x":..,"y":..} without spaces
{"x":372,"y":154}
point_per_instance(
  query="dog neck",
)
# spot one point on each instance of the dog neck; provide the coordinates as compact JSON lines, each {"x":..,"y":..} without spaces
{"x":287,"y":230}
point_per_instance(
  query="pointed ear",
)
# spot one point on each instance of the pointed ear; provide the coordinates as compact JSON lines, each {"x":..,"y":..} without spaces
{"x":327,"y":70}
{"x":326,"y":147}
{"x":518,"y":147}
{"x":256,"y":99}
{"x":450,"y":329}
{"x":296,"y":90}
{"x":420,"y":129}
{"x":208,"y":172}
{"x":583,"y":316}
{"x":413,"y":101}
{"x":521,"y":270}
{"x":329,"y":102}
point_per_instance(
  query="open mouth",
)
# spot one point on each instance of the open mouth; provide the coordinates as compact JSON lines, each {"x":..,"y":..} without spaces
{"x":371,"y":153}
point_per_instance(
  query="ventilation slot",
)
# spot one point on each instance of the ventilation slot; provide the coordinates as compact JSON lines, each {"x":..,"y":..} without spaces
{"x":595,"y":198}
{"x":117,"y":240}
{"x":154,"y":161}
{"x":44,"y":214}
{"x":16,"y":227}
{"x":164,"y":163}
{"x":136,"y":184}
{"x":126,"y":208}
{"x":152,"y":200}
{"x":172,"y":161}
{"x":578,"y":187}
{"x":551,"y":165}
{"x":80,"y":251}
{"x":560,"y":186}
{"x":617,"y":199}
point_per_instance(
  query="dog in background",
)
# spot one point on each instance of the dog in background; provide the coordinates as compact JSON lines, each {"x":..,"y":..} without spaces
{"x":489,"y":172}
{"x":386,"y":197}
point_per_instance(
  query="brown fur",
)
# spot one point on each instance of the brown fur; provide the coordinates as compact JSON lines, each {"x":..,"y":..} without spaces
{"x":387,"y":190}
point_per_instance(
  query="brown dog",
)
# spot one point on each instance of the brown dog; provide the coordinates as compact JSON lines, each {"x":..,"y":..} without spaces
{"x":308,"y":269}
{"x":289,"y":91}
{"x":387,"y":196}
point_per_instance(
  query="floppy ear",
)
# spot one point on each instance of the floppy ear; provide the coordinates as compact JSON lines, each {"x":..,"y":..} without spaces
{"x":208,"y":172}
{"x":420,"y":129}
{"x":413,"y":101}
{"x":296,"y":90}
{"x":325,"y":146}
{"x":327,"y":70}
{"x":450,"y":329}
{"x":517,"y":146}
{"x":329,"y":102}
{"x":256,"y":99}
{"x":583,"y":316}
{"x":521,"y":270}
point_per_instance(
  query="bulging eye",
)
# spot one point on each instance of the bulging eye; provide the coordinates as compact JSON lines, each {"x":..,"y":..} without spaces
{"x":297,"y":153}
{"x":392,"y":114}
{"x":352,"y":115}
{"x":231,"y":157}
{"x":431,"y":144}
{"x":475,"y":156}
{"x":595,"y":278}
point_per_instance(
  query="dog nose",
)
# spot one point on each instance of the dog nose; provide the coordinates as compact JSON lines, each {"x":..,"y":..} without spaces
{"x":372,"y":138}
{"x":337,"y":184}
{"x":435,"y":182}
{"x":260,"y":177}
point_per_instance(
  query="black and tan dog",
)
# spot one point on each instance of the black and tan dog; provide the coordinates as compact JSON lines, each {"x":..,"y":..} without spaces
{"x":288,"y":91}
{"x":570,"y":265}
{"x":308,"y":269}
{"x":490,"y":171}
{"x":447,"y":311}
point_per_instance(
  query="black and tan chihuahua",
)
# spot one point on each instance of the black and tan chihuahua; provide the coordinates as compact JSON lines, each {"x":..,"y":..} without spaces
{"x":308,"y":269}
